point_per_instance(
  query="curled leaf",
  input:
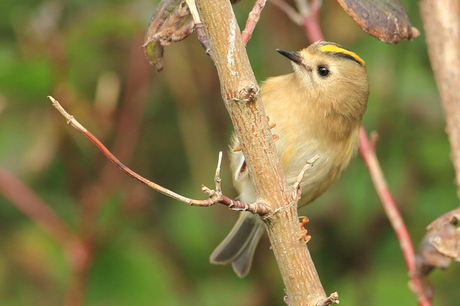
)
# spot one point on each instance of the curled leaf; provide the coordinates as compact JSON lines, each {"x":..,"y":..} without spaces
{"x":171,"y":22}
{"x":449,"y":243}
{"x":440,"y":245}
{"x":386,"y":20}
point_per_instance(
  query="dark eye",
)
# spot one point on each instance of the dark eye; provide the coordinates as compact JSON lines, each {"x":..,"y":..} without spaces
{"x":323,"y":71}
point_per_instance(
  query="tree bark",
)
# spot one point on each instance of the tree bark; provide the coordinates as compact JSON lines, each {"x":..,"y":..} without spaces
{"x":241,"y":95}
{"x":441,"y":20}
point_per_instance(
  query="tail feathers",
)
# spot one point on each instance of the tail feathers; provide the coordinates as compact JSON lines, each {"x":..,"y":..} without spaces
{"x":240,"y":244}
{"x":242,"y":263}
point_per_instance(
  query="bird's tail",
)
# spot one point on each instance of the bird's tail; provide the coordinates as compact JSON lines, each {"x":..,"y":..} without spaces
{"x":240,"y":244}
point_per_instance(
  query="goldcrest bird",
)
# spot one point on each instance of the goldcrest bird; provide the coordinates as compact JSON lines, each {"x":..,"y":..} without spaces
{"x":316,"y":110}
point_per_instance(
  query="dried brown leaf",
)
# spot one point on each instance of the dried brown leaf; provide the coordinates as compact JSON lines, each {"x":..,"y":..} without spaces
{"x":450,"y":246}
{"x":449,"y":243}
{"x":440,"y":245}
{"x":450,"y":218}
{"x":386,"y":20}
{"x":171,"y":22}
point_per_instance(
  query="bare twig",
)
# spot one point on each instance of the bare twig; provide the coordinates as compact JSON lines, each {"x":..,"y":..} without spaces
{"x":289,"y":11}
{"x":215,"y":196}
{"x":202,"y":38}
{"x":253,"y":18}
{"x":370,"y":159}
{"x":192,"y":7}
{"x":303,"y":7}
{"x":306,"y":16}
{"x":93,"y":195}
{"x":316,"y":5}
{"x":311,"y":21}
{"x":332,"y":299}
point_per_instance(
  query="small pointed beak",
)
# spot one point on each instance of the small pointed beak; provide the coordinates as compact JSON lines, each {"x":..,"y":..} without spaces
{"x":293,"y":56}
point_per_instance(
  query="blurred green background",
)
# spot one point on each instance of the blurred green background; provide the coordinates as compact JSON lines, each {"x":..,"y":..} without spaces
{"x":146,"y":249}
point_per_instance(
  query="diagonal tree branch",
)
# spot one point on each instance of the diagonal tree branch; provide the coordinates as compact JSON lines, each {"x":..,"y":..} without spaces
{"x":241,"y":96}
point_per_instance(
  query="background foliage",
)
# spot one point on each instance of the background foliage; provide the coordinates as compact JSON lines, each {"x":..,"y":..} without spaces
{"x":169,"y":126}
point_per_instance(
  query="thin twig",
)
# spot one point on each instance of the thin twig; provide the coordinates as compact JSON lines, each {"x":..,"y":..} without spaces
{"x":215,"y":196}
{"x":315,"y":5}
{"x":253,"y":18}
{"x":192,"y":7}
{"x":307,"y":18}
{"x":289,"y":11}
{"x":332,"y":299}
{"x":310,"y":19}
{"x":202,"y":37}
{"x":370,"y":159}
{"x":303,"y":7}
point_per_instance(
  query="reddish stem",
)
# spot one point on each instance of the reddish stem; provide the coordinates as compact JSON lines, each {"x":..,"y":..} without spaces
{"x":312,"y":26}
{"x":367,"y":151}
{"x":253,"y":18}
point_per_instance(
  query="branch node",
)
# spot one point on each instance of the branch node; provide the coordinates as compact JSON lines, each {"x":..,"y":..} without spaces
{"x":247,"y":94}
{"x":332,"y":299}
{"x":259,"y":208}
{"x":205,"y":189}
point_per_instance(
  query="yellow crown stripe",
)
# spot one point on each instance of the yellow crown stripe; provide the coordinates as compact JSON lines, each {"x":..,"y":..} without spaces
{"x":337,"y":49}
